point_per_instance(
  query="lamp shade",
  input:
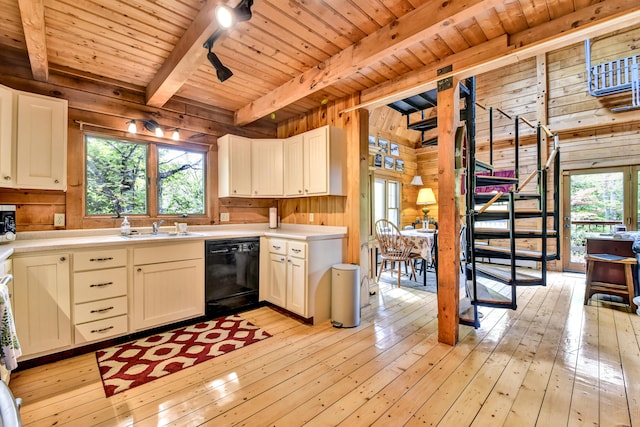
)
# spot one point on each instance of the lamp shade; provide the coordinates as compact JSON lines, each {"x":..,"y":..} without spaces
{"x":426,"y":197}
{"x":417,"y":180}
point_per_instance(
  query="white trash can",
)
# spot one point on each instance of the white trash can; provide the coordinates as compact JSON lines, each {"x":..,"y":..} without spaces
{"x":345,"y":295}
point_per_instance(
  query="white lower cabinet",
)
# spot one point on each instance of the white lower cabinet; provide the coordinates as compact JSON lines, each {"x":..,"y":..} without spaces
{"x":168,"y":284}
{"x":296,"y":274}
{"x":42,"y":309}
{"x":99,"y":294}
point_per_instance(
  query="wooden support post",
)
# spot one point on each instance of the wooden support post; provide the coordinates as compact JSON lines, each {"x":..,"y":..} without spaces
{"x":448,"y":213}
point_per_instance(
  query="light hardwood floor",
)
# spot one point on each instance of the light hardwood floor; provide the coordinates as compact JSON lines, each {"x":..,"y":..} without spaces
{"x":552,"y":362}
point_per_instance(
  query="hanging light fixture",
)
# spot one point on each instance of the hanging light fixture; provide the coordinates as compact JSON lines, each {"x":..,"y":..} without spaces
{"x":132,"y":128}
{"x":176,"y":135}
{"x":417,"y":180}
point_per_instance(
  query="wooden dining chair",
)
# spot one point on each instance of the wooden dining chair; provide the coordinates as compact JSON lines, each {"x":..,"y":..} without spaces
{"x":393,"y":247}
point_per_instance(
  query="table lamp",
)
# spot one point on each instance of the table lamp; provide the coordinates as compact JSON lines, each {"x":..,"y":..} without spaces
{"x":426,"y":198}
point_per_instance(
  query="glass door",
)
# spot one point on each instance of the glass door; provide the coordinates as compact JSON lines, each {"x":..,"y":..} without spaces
{"x":594,"y":202}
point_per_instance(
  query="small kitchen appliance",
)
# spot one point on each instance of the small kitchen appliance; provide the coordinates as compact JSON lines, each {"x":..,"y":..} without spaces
{"x":7,"y":223}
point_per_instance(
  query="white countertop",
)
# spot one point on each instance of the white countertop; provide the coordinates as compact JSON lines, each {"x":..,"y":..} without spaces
{"x":34,"y":241}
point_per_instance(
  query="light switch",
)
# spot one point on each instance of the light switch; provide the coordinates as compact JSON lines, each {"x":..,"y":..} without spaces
{"x":311,"y":217}
{"x":224,"y":216}
{"x":58,"y":220}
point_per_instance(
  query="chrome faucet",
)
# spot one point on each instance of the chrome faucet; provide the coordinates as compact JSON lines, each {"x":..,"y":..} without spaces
{"x":155,"y":226}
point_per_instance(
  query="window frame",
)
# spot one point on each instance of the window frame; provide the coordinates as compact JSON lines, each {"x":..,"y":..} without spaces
{"x":152,"y":177}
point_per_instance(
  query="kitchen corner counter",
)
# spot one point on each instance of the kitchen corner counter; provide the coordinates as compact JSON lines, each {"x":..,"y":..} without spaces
{"x":35,"y":241}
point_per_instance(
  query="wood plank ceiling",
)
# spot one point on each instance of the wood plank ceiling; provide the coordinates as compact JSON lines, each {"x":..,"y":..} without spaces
{"x":292,"y":55}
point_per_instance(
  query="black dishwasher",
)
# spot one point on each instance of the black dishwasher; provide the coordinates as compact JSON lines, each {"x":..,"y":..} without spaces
{"x":232,"y":271}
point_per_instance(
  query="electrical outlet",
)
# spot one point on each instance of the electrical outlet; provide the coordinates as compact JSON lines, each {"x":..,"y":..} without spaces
{"x":58,"y":220}
{"x":224,"y":216}
{"x":311,"y":217}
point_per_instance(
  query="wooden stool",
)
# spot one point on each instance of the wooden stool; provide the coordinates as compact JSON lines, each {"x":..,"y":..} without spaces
{"x":596,"y":287}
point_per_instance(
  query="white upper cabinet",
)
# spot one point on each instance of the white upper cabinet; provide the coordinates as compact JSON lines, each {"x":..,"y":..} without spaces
{"x":293,"y":166}
{"x":41,"y":156}
{"x":7,"y":137}
{"x":234,"y":166}
{"x":267,"y":173}
{"x":309,"y":164}
{"x":33,"y":140}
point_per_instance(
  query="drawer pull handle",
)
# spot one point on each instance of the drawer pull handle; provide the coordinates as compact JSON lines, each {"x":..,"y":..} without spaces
{"x":276,"y":247}
{"x":102,"y":310}
{"x":101,"y":259}
{"x":296,"y":250}
{"x":100,"y":285}
{"x":99,"y":331}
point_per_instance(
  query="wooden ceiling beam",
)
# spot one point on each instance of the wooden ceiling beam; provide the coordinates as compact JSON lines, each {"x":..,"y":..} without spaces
{"x":591,"y":21}
{"x":184,"y":59}
{"x":419,"y":24}
{"x":32,"y":15}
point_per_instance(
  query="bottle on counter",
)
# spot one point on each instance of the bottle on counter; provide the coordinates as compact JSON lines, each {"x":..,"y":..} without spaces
{"x":125,"y":227}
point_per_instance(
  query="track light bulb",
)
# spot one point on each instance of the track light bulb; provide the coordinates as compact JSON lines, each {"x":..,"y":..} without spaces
{"x":176,"y":135}
{"x":132,"y":128}
{"x":158,"y":131}
{"x":224,"y":16}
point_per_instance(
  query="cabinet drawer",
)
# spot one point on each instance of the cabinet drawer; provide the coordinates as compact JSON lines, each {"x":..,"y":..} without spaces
{"x":93,"y":260}
{"x":97,"y":310}
{"x":297,"y":249}
{"x":277,"y":246}
{"x":168,"y":253}
{"x":101,"y":329}
{"x":100,"y":284}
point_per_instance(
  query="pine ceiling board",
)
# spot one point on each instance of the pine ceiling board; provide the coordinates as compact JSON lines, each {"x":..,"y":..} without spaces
{"x":296,"y":12}
{"x":454,"y":39}
{"x":396,"y":66}
{"x":141,"y":33}
{"x":375,"y":10}
{"x":490,"y":23}
{"x":354,"y":15}
{"x":320,"y":14}
{"x":438,"y":46}
{"x":535,"y":11}
{"x":11,"y":31}
{"x":150,"y":13}
{"x":408,"y":58}
{"x":472,"y":32}
{"x":309,"y":37}
{"x":187,"y":8}
{"x":398,"y":7}
{"x":231,"y":47}
{"x":558,"y":8}
{"x":511,"y":16}
{"x":423,"y":53}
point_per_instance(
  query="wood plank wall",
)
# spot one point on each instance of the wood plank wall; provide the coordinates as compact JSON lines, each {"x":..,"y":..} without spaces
{"x":110,"y":107}
{"x":332,"y":210}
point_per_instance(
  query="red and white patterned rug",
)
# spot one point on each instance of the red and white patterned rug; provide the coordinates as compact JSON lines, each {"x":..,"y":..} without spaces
{"x":132,"y":364}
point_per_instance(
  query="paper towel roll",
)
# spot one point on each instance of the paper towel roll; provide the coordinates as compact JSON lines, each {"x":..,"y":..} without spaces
{"x":273,"y":217}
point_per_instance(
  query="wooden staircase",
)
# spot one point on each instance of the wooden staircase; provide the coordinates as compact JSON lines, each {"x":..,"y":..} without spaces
{"x":508,"y":227}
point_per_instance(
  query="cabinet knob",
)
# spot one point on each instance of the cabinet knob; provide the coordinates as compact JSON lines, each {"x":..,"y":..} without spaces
{"x":63,"y":259}
{"x":139,"y":270}
{"x":7,"y":178}
{"x":56,"y":181}
{"x":299,"y":191}
{"x":234,"y":191}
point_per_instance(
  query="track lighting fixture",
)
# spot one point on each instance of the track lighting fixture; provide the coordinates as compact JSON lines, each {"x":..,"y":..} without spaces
{"x":176,"y":135}
{"x":222,"y":72}
{"x":226,"y":17}
{"x":132,"y":128}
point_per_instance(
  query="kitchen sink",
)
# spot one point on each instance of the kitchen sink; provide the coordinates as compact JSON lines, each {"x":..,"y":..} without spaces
{"x":159,"y":234}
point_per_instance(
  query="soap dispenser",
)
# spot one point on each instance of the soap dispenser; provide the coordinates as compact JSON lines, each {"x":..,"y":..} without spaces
{"x":125,"y":227}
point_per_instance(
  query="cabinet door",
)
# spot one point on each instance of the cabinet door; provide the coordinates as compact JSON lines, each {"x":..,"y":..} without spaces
{"x":41,"y":157}
{"x":7,"y":128}
{"x":297,"y":286}
{"x":167,"y":292}
{"x":42,"y":304}
{"x":267,"y":160}
{"x":293,"y":166}
{"x":234,"y":166}
{"x":277,"y":288}
{"x":316,"y":161}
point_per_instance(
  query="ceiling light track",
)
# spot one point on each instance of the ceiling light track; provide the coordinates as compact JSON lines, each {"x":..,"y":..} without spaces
{"x":150,"y":126}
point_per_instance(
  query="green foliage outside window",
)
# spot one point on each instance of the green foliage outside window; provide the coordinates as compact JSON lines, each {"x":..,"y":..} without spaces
{"x":116,"y":177}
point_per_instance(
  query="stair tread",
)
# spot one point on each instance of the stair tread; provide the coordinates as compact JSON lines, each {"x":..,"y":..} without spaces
{"x":482,"y":166}
{"x":503,"y":273}
{"x":486,"y":295}
{"x":518,"y":231}
{"x":506,"y":250}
